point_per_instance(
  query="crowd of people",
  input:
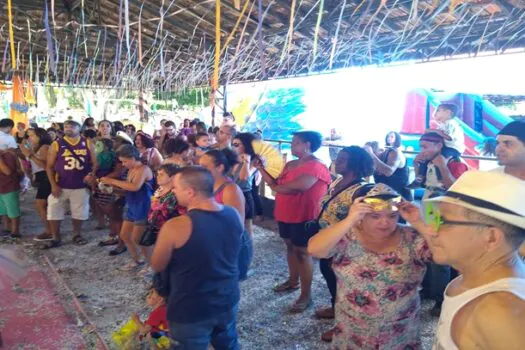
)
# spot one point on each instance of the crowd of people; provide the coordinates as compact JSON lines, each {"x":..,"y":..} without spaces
{"x":183,"y":201}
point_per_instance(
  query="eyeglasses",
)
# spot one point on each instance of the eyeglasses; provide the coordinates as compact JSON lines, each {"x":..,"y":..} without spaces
{"x":379,"y":204}
{"x":435,"y":220}
{"x":236,"y":144}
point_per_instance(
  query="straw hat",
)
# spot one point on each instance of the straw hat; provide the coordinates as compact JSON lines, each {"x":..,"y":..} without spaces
{"x":124,"y":136}
{"x":496,"y":195}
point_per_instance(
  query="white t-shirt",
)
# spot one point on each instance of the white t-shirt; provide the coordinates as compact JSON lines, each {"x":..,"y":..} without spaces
{"x":7,"y":141}
{"x":453,"y":129}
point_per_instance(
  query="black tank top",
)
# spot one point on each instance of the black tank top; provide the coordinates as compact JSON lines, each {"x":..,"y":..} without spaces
{"x":398,"y":180}
{"x":204,"y":274}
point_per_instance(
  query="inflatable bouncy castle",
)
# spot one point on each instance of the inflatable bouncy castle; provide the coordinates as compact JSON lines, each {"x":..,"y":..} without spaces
{"x":478,"y":117}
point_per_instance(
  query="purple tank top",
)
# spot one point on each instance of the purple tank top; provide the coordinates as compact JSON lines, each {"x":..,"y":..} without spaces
{"x":70,"y":170}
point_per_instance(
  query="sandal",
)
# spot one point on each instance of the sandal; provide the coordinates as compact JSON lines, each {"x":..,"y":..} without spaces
{"x":79,"y":240}
{"x":52,"y":244}
{"x":132,"y":266}
{"x":299,"y":307}
{"x":43,"y":237}
{"x":16,"y":235}
{"x":108,"y":242}
{"x":118,"y":251}
{"x":286,"y":287}
{"x":325,"y":313}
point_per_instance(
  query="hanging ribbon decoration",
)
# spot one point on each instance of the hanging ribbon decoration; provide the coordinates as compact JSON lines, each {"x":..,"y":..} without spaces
{"x":140,"y":36}
{"x":336,"y":35}
{"x":30,"y":50}
{"x":53,"y":12}
{"x":11,"y":34}
{"x":50,"y":46}
{"x":126,"y":24}
{"x":230,"y":37}
{"x":260,"y":38}
{"x":5,"y":55}
{"x":290,"y":29}
{"x":317,"y":26}
{"x":215,"y":82}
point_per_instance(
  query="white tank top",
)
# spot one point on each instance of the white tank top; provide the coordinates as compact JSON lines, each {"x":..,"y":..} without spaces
{"x":451,"y":306}
{"x":35,"y":167}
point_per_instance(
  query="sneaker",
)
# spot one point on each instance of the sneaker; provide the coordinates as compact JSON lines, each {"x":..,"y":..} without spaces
{"x":43,"y":237}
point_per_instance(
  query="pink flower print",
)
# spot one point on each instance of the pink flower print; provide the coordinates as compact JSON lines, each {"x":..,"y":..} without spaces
{"x":342,"y":261}
{"x":359,"y":341}
{"x":391,"y":294}
{"x":390,"y":260}
{"x":364,"y":301}
{"x":407,"y":288}
{"x":367,"y":274}
{"x":398,"y":328}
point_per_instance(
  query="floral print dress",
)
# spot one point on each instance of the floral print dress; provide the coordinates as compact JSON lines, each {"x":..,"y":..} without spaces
{"x":163,"y":208}
{"x":378,"y":302}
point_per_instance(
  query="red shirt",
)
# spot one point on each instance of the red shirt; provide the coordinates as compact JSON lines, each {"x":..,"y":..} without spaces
{"x":9,"y":183}
{"x":158,"y":319}
{"x":457,"y":168}
{"x":304,"y":206}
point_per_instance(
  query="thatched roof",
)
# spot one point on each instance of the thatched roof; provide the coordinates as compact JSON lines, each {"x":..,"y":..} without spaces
{"x":178,"y":37}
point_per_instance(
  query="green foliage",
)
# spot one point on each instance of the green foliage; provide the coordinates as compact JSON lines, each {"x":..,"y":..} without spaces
{"x":50,"y":96}
{"x":194,"y":97}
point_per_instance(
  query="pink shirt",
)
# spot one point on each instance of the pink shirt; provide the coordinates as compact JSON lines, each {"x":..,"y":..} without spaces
{"x":304,"y":206}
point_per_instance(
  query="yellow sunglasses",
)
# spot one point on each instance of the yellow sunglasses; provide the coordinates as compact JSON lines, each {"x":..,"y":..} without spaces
{"x":379,"y":204}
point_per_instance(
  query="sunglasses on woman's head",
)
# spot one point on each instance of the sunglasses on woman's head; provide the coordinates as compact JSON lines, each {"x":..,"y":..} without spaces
{"x":380,"y":204}
{"x":434,"y":218}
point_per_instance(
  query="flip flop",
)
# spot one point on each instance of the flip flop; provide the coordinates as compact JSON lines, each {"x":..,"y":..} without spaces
{"x":117,"y":251}
{"x":79,"y":240}
{"x":286,"y":287}
{"x":108,"y":242}
{"x":51,"y":244}
{"x":299,"y":307}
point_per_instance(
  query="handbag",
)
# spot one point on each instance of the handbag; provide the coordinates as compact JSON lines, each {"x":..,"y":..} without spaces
{"x":312,"y":227}
{"x":149,"y":237}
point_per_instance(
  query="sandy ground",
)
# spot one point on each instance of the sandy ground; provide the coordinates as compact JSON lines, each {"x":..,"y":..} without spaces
{"x":110,"y":296}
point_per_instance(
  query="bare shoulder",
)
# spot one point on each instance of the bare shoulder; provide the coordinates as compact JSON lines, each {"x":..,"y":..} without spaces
{"x":177,"y":231}
{"x":500,"y":317}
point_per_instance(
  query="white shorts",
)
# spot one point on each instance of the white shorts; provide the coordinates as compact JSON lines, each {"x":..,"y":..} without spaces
{"x":78,"y":202}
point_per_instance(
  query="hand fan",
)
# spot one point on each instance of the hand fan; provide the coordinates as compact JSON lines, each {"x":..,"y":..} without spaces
{"x":273,"y":160}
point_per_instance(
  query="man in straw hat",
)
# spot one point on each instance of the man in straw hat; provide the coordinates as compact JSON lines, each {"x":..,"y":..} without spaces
{"x":478,"y":230}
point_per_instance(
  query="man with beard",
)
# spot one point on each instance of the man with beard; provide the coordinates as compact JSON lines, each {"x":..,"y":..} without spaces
{"x":510,"y":150}
{"x":169,"y":131}
{"x":69,"y":162}
{"x":225,"y":135}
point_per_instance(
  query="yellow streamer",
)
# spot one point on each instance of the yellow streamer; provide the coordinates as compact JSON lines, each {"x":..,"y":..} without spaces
{"x":317,"y":26}
{"x":215,"y":82}
{"x":230,"y":37}
{"x":290,"y":29}
{"x":11,"y":34}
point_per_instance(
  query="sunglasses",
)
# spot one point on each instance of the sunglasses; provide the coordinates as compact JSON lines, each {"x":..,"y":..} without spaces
{"x":379,"y":204}
{"x":434,"y":218}
{"x":236,"y":144}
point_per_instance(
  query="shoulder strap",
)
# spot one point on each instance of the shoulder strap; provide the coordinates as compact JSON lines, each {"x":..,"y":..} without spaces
{"x":221,"y":188}
{"x":353,"y":183}
{"x":76,"y":156}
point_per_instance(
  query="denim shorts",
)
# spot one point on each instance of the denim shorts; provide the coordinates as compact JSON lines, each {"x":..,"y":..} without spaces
{"x":130,"y":216}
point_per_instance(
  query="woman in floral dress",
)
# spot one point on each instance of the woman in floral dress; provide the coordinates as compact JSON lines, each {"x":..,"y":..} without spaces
{"x":379,"y":266}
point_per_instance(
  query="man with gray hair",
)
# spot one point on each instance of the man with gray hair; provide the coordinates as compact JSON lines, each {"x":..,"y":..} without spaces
{"x":477,"y":227}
